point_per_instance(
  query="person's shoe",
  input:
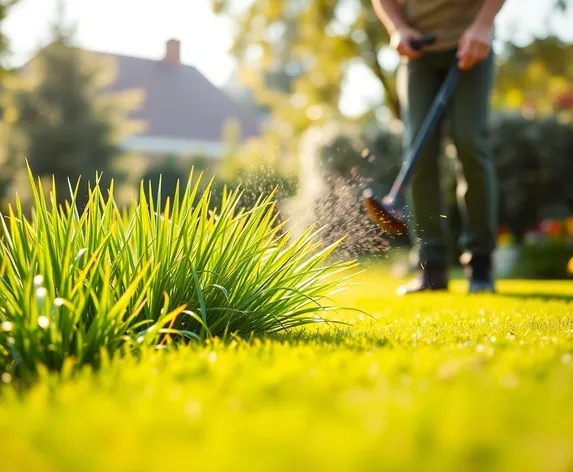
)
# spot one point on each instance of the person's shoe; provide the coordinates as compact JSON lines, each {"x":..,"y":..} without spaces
{"x":433,"y":276}
{"x":481,"y":286}
{"x":480,"y":273}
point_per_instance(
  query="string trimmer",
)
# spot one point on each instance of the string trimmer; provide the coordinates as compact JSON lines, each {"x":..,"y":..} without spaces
{"x":384,"y":213}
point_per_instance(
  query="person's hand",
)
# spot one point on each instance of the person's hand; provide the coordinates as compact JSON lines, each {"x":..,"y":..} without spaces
{"x":474,"y":45}
{"x":401,"y":39}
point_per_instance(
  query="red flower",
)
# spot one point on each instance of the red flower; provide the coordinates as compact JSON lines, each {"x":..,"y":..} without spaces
{"x":551,"y":227}
{"x":565,"y":100}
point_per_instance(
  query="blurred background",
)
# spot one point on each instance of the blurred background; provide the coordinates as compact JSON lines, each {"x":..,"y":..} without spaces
{"x":293,"y":94}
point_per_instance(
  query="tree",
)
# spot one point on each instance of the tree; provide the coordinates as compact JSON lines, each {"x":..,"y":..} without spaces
{"x":536,"y":78}
{"x":295,"y":55}
{"x":58,"y":116}
{"x":6,"y":171}
{"x":5,"y":6}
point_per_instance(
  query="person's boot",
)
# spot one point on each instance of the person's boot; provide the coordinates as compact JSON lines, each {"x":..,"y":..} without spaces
{"x":480,"y":273}
{"x":433,"y":276}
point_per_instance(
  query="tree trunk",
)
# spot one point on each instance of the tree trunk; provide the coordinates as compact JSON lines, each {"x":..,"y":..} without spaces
{"x":391,"y":95}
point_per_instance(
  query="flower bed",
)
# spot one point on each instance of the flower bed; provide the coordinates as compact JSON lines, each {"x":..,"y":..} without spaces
{"x":546,"y":251}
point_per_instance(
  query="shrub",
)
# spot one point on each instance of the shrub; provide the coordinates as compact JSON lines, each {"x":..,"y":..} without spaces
{"x":545,"y":251}
{"x":256,"y":181}
{"x":548,"y":260}
{"x":165,"y":174}
{"x":374,"y":161}
{"x":533,"y":158}
{"x":107,"y":280}
{"x":252,"y":181}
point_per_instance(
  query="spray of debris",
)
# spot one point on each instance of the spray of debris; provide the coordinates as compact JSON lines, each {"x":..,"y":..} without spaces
{"x":332,"y":203}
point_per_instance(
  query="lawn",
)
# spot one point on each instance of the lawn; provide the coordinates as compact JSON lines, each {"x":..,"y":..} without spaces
{"x":435,"y":382}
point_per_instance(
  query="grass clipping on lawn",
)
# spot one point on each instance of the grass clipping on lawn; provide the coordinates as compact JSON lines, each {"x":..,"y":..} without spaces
{"x":79,"y":285}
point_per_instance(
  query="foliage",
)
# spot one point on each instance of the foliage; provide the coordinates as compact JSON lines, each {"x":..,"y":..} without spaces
{"x":374,"y":160}
{"x":295,"y":56}
{"x":5,"y":6}
{"x":462,"y":383}
{"x":533,"y":165}
{"x":254,"y":181}
{"x":170,"y":172}
{"x":546,"y":252}
{"x":6,"y":167}
{"x":264,"y":180}
{"x":223,"y":176}
{"x":561,"y":5}
{"x":74,"y":284}
{"x":544,"y":261}
{"x":62,"y":120}
{"x":536,"y":78}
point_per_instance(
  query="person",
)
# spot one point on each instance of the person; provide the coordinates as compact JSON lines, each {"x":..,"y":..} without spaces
{"x":464,"y":31}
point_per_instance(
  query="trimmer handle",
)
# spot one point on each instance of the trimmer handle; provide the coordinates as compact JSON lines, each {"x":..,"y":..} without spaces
{"x":425,"y":40}
{"x":434,"y":116}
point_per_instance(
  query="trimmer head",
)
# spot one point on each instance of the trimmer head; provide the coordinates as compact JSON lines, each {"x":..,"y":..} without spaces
{"x":383,"y":215}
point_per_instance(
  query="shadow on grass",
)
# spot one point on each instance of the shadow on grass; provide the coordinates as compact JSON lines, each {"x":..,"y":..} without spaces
{"x":549,"y":297}
{"x":334,"y":336}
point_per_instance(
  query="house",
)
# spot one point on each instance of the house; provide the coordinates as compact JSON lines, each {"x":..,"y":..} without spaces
{"x":184,"y":113}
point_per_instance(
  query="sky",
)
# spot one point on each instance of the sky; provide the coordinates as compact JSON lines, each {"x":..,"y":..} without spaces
{"x":132,"y":27}
{"x":141,"y":28}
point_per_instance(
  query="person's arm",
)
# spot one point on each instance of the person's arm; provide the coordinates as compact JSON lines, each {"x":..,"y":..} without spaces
{"x":389,"y":14}
{"x":476,"y":42}
{"x":488,"y":12}
{"x":400,"y":33}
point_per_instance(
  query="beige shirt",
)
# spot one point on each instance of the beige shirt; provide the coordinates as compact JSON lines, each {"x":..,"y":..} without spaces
{"x":447,"y":19}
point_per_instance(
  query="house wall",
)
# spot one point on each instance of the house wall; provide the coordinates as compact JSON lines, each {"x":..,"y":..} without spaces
{"x":154,"y":145}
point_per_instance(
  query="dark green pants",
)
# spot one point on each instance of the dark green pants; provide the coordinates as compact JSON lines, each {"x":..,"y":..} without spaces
{"x":467,"y":119}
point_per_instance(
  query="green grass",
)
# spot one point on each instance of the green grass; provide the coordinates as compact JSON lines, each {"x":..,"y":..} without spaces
{"x":83,"y":284}
{"x":434,"y":382}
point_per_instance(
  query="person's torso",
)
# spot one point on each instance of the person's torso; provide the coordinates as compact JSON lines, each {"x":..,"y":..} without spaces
{"x":447,"y":19}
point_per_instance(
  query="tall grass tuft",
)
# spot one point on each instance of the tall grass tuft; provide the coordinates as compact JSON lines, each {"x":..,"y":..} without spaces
{"x":78,"y":285}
